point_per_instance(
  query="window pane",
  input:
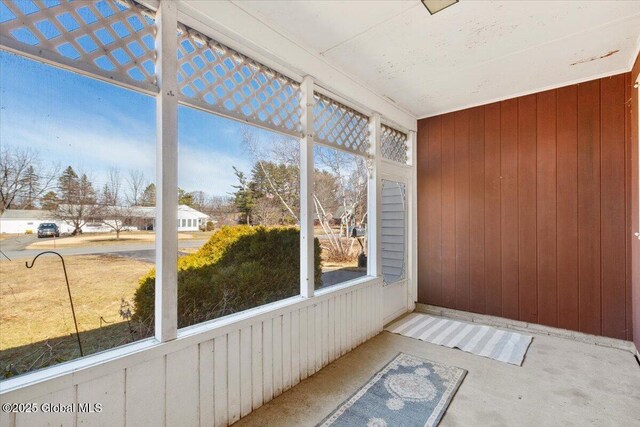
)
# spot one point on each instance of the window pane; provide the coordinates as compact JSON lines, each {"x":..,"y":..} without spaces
{"x":394,"y":231}
{"x":340,"y":217}
{"x":242,"y":183}
{"x":83,"y":152}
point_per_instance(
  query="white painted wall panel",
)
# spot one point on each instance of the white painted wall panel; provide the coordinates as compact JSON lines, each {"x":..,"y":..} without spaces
{"x":317,"y":323}
{"x":109,"y":391}
{"x":246,"y":392}
{"x":183,"y":388}
{"x":207,"y":402}
{"x":277,"y":355}
{"x":256,"y":365}
{"x":233,"y":376}
{"x":142,"y":406}
{"x":35,"y":419}
{"x":304,"y":337}
{"x":295,"y":347}
{"x":215,"y":376}
{"x":220,"y":381}
{"x":286,"y":351}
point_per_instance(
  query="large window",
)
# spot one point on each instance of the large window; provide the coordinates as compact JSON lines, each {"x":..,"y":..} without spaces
{"x":243,"y":182}
{"x":78,"y":171}
{"x":77,"y":167}
{"x":340,"y":214}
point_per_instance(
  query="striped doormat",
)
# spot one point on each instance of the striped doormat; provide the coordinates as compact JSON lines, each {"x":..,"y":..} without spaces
{"x":482,"y":340}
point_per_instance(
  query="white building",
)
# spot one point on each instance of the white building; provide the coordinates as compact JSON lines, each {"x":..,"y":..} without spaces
{"x":20,"y":221}
{"x":190,"y":219}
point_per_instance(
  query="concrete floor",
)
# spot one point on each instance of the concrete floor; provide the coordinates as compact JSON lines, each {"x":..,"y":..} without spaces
{"x":561,"y":383}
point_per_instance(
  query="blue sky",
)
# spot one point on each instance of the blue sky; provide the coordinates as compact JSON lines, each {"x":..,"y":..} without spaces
{"x":93,"y":126}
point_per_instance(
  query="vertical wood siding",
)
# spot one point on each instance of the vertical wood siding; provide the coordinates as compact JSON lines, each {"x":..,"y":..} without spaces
{"x":217,"y":381}
{"x":524,"y":205}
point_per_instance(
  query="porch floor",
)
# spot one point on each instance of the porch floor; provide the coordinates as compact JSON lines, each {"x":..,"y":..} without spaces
{"x":561,"y":382}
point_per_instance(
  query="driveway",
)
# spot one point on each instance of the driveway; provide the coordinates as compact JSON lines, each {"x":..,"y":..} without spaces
{"x":14,"y":248}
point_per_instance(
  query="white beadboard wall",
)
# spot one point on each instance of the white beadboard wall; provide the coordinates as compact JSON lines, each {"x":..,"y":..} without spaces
{"x":212,"y":375}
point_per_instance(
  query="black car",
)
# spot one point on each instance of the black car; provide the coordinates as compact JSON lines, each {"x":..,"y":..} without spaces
{"x":48,"y":229}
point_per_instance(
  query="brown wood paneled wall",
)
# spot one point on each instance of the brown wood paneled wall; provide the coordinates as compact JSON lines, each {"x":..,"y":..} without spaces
{"x":524,"y":208}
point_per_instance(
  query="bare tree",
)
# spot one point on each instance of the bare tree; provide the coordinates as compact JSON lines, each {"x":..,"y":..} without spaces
{"x":22,"y":179}
{"x":267,"y":211}
{"x":115,"y":214}
{"x":222,"y":209}
{"x":345,"y":178}
{"x":199,"y":200}
{"x":136,"y":183}
{"x":287,"y":155}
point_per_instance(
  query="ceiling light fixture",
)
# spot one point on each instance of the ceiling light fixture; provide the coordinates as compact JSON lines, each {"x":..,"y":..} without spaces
{"x":435,"y":6}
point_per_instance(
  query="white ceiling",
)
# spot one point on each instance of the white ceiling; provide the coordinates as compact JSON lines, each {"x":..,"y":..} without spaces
{"x":469,"y":54}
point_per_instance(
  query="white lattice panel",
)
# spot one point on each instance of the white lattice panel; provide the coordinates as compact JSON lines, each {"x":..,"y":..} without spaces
{"x":217,"y":78}
{"x":338,"y":125}
{"x":108,"y":38}
{"x":394,"y":145}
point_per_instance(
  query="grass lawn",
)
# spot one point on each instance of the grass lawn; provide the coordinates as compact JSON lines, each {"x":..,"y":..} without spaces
{"x":97,"y":239}
{"x":5,"y":236}
{"x":35,"y":316}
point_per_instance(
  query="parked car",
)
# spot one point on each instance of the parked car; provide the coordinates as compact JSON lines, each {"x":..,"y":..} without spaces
{"x":48,"y":229}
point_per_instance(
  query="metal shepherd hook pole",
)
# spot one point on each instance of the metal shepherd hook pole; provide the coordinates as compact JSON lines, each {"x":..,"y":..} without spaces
{"x":75,"y":322}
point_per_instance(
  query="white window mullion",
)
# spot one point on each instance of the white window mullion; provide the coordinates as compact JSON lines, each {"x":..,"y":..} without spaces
{"x":166,"y":311}
{"x":374,"y":209}
{"x":307,"y":265}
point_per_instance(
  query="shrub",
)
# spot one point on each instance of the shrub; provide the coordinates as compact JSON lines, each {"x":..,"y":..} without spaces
{"x":240,"y":267}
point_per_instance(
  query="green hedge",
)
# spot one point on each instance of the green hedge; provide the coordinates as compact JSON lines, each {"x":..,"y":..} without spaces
{"x":240,"y":267}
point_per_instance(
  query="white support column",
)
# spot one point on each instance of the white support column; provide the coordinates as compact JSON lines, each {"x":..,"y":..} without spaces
{"x":413,"y":225}
{"x":166,"y":316}
{"x":306,"y":191}
{"x":374,"y":208}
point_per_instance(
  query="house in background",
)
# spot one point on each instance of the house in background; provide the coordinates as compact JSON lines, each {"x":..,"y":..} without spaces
{"x":190,"y":219}
{"x":22,"y":221}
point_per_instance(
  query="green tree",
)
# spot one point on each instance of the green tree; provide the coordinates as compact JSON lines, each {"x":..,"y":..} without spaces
{"x":277,"y":185}
{"x":50,"y":201}
{"x":148,"y":196}
{"x":32,"y":187}
{"x":244,"y":197}
{"x":77,"y":200}
{"x":68,"y":185}
{"x":184,"y":198}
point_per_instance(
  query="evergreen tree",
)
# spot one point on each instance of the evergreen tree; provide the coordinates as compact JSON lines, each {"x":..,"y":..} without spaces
{"x":184,"y":198}
{"x":244,"y":197}
{"x":277,"y":185}
{"x":50,"y":201}
{"x":86,"y":194}
{"x":77,"y":200}
{"x":148,"y":196}
{"x":68,"y":185}
{"x":32,"y":188}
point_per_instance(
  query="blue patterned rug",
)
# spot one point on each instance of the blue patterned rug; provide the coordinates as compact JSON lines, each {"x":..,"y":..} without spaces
{"x":408,"y":392}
